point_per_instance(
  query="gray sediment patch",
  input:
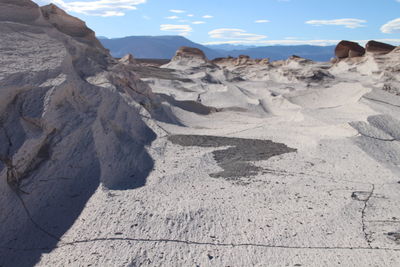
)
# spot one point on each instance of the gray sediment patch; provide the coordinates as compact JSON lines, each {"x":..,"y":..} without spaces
{"x":236,"y":159}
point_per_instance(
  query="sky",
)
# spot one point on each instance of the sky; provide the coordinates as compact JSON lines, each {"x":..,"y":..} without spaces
{"x":248,"y":22}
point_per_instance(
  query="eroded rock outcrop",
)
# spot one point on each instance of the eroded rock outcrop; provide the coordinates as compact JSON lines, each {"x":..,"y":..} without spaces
{"x":23,"y":11}
{"x":242,"y":60}
{"x":127,"y":60}
{"x":347,"y":49}
{"x":71,"y":118}
{"x":190,"y":52}
{"x":67,"y":24}
{"x":378,"y":47}
{"x":187,"y":57}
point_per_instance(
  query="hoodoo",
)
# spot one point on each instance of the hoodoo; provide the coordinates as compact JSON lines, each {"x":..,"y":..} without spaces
{"x":378,"y":47}
{"x":346,"y":49}
{"x":188,"y":57}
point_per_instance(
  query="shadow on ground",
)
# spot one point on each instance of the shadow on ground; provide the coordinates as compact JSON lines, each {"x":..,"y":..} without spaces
{"x":32,"y":224}
{"x":236,"y":159}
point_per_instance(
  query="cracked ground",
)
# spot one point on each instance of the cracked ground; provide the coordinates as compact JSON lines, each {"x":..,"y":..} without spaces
{"x":310,"y":207}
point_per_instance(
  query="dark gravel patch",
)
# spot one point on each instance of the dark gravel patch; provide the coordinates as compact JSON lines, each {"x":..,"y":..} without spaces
{"x":236,"y":159}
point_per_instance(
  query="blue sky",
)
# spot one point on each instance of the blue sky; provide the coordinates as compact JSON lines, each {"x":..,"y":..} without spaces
{"x":254,"y":22}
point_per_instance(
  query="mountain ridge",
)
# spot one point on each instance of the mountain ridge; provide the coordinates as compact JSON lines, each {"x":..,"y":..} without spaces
{"x":165,"y":46}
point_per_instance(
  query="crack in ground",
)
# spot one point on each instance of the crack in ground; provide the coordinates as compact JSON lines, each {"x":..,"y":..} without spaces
{"x":376,"y":138}
{"x":367,"y":236}
{"x":14,"y":179}
{"x":188,"y":242}
{"x":381,"y":101}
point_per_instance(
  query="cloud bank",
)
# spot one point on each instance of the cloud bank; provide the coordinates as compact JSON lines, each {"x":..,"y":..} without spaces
{"x":235,"y":35}
{"x":348,"y":23}
{"x":104,"y":8}
{"x":179,"y":29}
{"x":392,"y":26}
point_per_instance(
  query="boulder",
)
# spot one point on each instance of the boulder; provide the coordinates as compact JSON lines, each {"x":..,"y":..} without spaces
{"x":378,"y":47}
{"x":346,"y":49}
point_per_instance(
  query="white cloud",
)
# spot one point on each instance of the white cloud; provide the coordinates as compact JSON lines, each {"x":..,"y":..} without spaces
{"x":198,"y":22}
{"x":179,"y":11}
{"x":104,"y":8}
{"x":262,"y":21}
{"x":392,"y":26}
{"x":348,"y":23}
{"x":207,"y":17}
{"x":235,"y":34}
{"x":299,"y":42}
{"x":172,"y":17}
{"x":112,"y":13}
{"x":190,"y":15}
{"x":180,"y":29}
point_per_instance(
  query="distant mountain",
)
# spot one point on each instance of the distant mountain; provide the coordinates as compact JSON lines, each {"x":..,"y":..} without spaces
{"x":316,"y":53}
{"x":230,"y":47}
{"x":157,"y":47}
{"x":164,"y":47}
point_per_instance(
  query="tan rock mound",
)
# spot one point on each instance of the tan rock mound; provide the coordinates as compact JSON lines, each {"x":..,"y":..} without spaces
{"x":22,"y":11}
{"x":190,"y":52}
{"x":346,"y":49}
{"x":187,"y":57}
{"x":378,"y":47}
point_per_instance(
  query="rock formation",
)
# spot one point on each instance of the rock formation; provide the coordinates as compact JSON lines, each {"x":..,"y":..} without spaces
{"x":67,"y":24}
{"x":128,"y":59}
{"x":70,"y":120}
{"x":378,"y":47}
{"x":23,"y":11}
{"x":347,"y":49}
{"x":190,"y":52}
{"x":187,"y":57}
{"x":242,"y":60}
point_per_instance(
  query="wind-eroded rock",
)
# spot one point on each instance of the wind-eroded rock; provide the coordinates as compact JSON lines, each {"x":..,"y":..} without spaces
{"x":68,"y":114}
{"x":67,"y":24}
{"x":346,"y":49}
{"x":378,"y":47}
{"x":190,"y":52}
{"x":242,"y":60}
{"x":18,"y":11}
{"x":187,"y":57}
{"x":128,"y":59}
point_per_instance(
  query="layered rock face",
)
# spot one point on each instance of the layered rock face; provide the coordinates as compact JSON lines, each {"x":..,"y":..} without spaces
{"x":67,"y":110}
{"x":378,"y":47}
{"x":347,"y":49}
